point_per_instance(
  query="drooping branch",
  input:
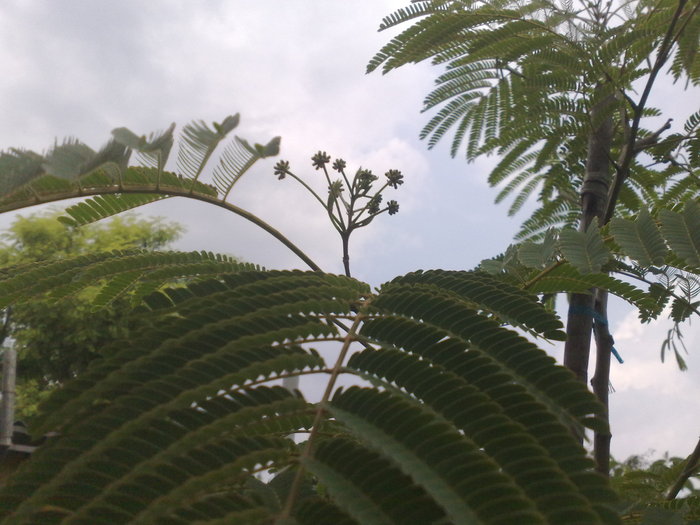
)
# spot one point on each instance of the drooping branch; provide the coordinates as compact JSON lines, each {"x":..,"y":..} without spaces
{"x":170,"y":192}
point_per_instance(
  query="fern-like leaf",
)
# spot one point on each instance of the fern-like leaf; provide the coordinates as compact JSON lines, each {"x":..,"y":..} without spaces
{"x":174,"y":425}
{"x":199,"y":142}
{"x":682,"y":231}
{"x":584,"y":250}
{"x":641,"y":239}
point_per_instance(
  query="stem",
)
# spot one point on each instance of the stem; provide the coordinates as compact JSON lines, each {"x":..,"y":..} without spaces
{"x":543,"y":273}
{"x":338,"y":226}
{"x":351,"y":187}
{"x":691,"y":466}
{"x":667,"y":290}
{"x":337,"y":205}
{"x":7,"y":413}
{"x":308,"y":449}
{"x":601,"y":381}
{"x":594,"y":193}
{"x":345,"y":236}
{"x":359,"y":212}
{"x":628,"y":150}
{"x":308,"y":188}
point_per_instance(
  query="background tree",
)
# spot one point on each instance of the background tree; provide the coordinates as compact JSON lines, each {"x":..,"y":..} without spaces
{"x":561,"y":93}
{"x":57,"y":338}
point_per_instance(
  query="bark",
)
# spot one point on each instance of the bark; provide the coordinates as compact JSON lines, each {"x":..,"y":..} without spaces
{"x":7,"y":411}
{"x":601,"y":379}
{"x":594,"y":196}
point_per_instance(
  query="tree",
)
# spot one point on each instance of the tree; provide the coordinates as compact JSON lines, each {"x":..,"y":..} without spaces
{"x":465,"y":422}
{"x":560,"y":91}
{"x":57,"y":338}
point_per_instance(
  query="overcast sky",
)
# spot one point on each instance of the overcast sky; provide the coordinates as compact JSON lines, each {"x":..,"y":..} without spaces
{"x":296,"y":69}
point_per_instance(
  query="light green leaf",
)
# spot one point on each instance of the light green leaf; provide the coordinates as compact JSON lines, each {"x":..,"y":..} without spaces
{"x":539,"y":255}
{"x":682,"y":231}
{"x":641,"y":239}
{"x":65,"y":160}
{"x":585,"y":251}
{"x":199,"y":142}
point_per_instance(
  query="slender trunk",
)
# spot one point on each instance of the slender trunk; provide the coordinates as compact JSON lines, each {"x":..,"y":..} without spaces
{"x":7,"y":414}
{"x":601,"y":379}
{"x":594,"y":196}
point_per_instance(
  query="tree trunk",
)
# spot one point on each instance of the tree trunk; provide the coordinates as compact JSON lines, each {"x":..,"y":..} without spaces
{"x":601,"y":379}
{"x":7,"y":411}
{"x":594,"y":196}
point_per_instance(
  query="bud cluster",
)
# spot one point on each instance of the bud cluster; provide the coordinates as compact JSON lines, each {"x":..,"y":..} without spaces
{"x":356,"y":207}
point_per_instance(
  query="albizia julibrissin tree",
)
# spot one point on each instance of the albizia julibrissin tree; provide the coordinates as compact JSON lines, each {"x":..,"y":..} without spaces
{"x":562,"y":93}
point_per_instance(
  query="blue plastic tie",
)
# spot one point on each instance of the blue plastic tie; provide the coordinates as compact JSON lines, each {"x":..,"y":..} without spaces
{"x":585,"y":310}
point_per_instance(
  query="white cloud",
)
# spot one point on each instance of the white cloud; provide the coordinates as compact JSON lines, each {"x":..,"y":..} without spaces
{"x":655,"y":405}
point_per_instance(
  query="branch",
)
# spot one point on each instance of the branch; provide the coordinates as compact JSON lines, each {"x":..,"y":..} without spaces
{"x":628,"y":148}
{"x":666,"y":290}
{"x":691,"y":465}
{"x":170,"y":192}
{"x":650,"y":140}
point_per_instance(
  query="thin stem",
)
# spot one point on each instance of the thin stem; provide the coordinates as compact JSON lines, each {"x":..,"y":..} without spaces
{"x":330,"y":184}
{"x":542,"y":274}
{"x":309,"y":188}
{"x":336,"y":224}
{"x":308,"y":449}
{"x":359,"y":212}
{"x":351,"y":187}
{"x":672,"y":294}
{"x":346,"y":252}
{"x":298,"y":373}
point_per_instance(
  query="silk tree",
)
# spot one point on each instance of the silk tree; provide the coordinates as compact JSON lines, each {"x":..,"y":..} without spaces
{"x":562,"y":93}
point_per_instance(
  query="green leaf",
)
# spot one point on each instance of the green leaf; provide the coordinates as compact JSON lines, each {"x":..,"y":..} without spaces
{"x":469,"y":422}
{"x":640,"y":239}
{"x":682,"y":231}
{"x":237,"y":158}
{"x":351,"y":474}
{"x":539,"y":255}
{"x":565,"y":278}
{"x":585,"y":251}
{"x":419,"y":448}
{"x":199,"y":142}
{"x":154,"y":150}
{"x":98,"y":208}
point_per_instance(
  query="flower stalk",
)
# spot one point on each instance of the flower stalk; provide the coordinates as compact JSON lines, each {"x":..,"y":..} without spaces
{"x":350,"y":203}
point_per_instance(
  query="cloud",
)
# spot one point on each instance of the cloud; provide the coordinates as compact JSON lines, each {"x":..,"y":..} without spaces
{"x":292,"y":71}
{"x":654,"y":406}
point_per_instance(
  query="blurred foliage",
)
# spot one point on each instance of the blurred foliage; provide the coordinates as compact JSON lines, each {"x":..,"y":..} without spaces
{"x":643,"y":482}
{"x":56,"y":340}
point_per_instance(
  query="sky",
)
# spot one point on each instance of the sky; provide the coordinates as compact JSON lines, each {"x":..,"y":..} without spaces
{"x":296,"y":69}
